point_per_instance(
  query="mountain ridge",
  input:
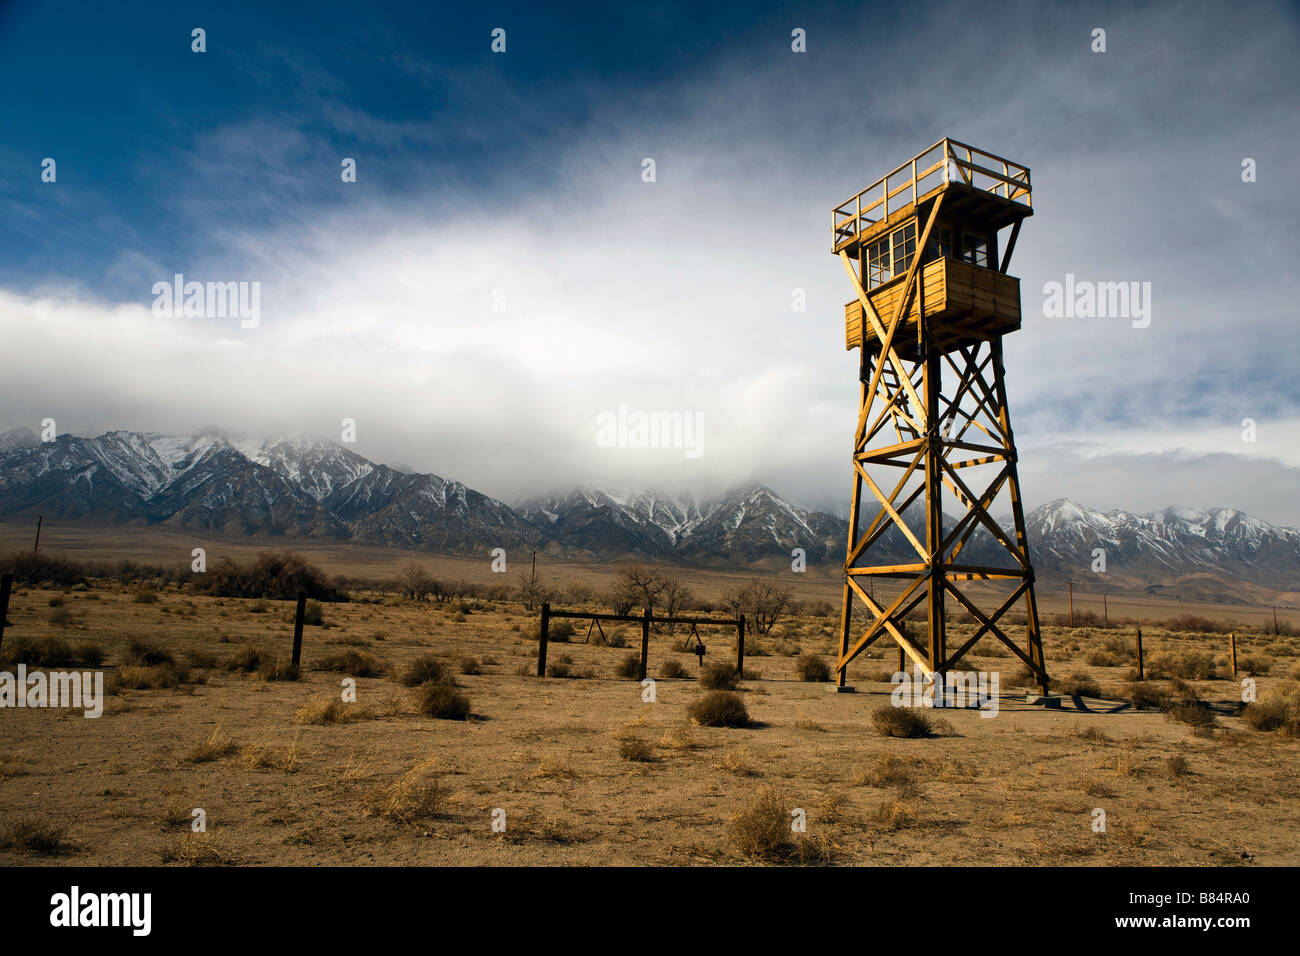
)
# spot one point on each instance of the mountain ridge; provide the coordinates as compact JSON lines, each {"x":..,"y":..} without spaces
{"x":294,"y":486}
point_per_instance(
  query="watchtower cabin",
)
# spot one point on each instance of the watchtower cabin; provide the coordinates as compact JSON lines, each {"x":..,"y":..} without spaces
{"x":963,"y":289}
{"x":926,"y":248}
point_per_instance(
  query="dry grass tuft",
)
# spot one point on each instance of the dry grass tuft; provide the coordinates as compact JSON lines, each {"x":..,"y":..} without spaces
{"x":425,"y":669}
{"x":672,"y":669}
{"x":321,"y":712}
{"x":719,"y":677}
{"x":635,"y":750}
{"x":262,"y":664}
{"x":719,"y":708}
{"x":554,"y":768}
{"x":736,"y":760}
{"x":32,"y":833}
{"x":145,"y":654}
{"x":629,"y":667}
{"x":540,"y":828}
{"x":813,"y":667}
{"x":416,"y":796}
{"x":442,"y":700}
{"x":893,"y":814}
{"x":761,"y":830}
{"x":892,"y":771}
{"x":1186,"y":665}
{"x":1278,"y":710}
{"x":1078,"y":684}
{"x":268,"y":757}
{"x":177,"y":811}
{"x":141,"y":677}
{"x":16,"y":764}
{"x":352,"y":663}
{"x":217,"y":745}
{"x":1093,"y":735}
{"x":199,"y":849}
{"x":892,"y":721}
{"x":561,"y":667}
{"x":1144,"y":696}
{"x":680,"y":739}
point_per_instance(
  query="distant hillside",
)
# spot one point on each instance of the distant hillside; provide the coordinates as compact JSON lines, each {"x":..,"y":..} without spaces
{"x":292,"y":487}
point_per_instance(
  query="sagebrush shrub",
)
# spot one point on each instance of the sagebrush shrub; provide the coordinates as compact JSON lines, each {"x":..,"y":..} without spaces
{"x":352,"y":663}
{"x":892,"y":721}
{"x":422,"y":670}
{"x":719,"y":708}
{"x":672,"y":669}
{"x":813,"y":667}
{"x":442,"y":700}
{"x":719,"y":677}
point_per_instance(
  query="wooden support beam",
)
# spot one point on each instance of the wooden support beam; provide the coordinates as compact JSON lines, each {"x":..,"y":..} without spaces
{"x":645,"y":644}
{"x":869,"y":312}
{"x":6,"y":585}
{"x":542,"y":634}
{"x":1011,"y":244}
{"x":740,"y":646}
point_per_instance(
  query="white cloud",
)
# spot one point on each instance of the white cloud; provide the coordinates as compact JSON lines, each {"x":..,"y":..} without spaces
{"x":675,"y":296}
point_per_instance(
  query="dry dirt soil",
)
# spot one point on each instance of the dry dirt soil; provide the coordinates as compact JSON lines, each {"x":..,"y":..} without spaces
{"x":384,"y":784}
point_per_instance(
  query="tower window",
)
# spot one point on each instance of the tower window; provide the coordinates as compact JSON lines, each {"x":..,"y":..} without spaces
{"x":891,"y":256}
{"x":904,"y":241}
{"x":878,"y":263}
{"x":975,"y":248}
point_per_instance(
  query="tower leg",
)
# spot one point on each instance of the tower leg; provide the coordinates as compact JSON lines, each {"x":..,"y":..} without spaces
{"x":1033,"y":631}
{"x":934,"y":514}
{"x":846,"y":613}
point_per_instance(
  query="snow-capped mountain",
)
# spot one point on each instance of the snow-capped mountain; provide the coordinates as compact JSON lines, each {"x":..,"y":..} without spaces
{"x":1176,"y":541}
{"x":745,"y":525}
{"x":212,"y":482}
{"x":294,"y":487}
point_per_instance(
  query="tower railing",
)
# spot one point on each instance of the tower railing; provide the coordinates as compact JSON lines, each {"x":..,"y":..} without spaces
{"x":944,"y":162}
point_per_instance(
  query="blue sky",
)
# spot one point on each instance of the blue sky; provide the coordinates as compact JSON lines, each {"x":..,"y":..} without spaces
{"x":522,"y":172}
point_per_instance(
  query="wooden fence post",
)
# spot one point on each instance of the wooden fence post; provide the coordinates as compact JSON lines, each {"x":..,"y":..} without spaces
{"x":1140,"y":672}
{"x":740,"y":645}
{"x":645,"y":641}
{"x":297,"y":627}
{"x":542,"y":633}
{"x":6,"y":583}
{"x":1232,"y":638}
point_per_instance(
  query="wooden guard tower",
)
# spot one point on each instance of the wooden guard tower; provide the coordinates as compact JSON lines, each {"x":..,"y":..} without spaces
{"x":921,"y":247}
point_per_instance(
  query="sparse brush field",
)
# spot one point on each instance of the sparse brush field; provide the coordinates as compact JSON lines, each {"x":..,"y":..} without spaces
{"x":449,"y":728}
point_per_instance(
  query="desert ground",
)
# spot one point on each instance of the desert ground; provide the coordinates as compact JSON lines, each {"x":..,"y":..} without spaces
{"x":582,"y":769}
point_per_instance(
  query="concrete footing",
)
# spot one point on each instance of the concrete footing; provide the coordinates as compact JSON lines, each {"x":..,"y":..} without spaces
{"x":1050,"y":700}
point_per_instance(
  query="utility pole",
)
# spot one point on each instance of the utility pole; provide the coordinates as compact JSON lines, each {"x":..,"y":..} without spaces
{"x":1070,"y":585}
{"x":40,"y":518}
{"x":1105,"y":606}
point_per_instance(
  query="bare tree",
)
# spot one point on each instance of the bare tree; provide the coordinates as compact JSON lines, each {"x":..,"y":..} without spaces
{"x":639,"y":586}
{"x":763,"y":602}
{"x":415,"y":582}
{"x":621,"y":599}
{"x":650,"y":589}
{"x":676,"y":596}
{"x":532,"y":592}
{"x":578,"y":593}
